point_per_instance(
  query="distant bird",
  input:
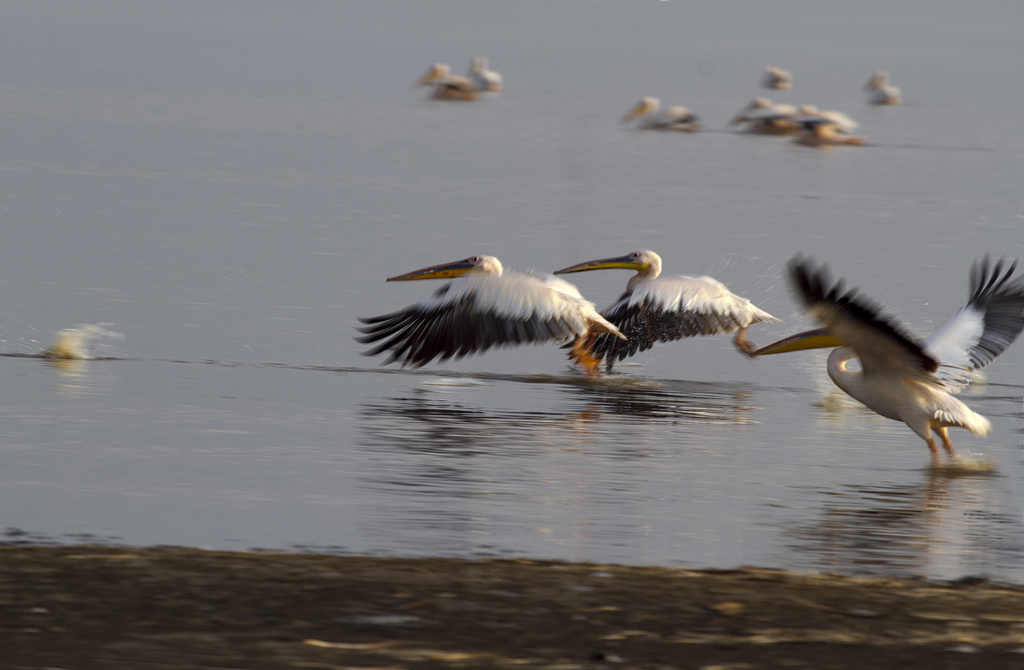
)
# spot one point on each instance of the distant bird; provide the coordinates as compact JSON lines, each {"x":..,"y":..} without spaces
{"x":901,"y":377}
{"x":652,"y":117}
{"x":765,"y":117}
{"x":448,"y":86}
{"x":662,"y":309}
{"x":484,"y":79}
{"x":777,"y":78}
{"x":828,"y":128}
{"x":486,"y":307}
{"x":881,"y":92}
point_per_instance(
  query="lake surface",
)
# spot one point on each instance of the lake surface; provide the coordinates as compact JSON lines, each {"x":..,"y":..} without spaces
{"x":212,"y":194}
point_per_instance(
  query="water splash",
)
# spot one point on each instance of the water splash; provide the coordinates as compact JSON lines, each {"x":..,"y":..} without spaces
{"x":964,"y":465}
{"x":78,"y":343}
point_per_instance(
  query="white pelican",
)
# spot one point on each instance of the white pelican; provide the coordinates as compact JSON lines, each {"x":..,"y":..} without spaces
{"x":652,"y":117}
{"x":483,"y":78}
{"x":881,"y":91}
{"x":765,"y":117}
{"x":485,"y":307}
{"x":828,"y":128}
{"x":662,"y":309}
{"x":903,"y":378}
{"x":776,"y":77}
{"x":446,"y":85}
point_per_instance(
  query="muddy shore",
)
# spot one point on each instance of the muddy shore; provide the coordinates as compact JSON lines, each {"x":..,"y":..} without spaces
{"x":102,"y":607}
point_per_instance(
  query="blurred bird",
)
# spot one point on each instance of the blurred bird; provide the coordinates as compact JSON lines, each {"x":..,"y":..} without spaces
{"x":446,"y":85}
{"x":484,"y":79}
{"x":881,"y":92}
{"x":652,"y":117}
{"x":777,"y":78}
{"x":765,"y":117}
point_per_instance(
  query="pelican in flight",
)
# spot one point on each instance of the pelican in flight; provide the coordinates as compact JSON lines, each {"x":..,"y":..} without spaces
{"x":662,"y":309}
{"x":901,"y":377}
{"x":652,"y":117}
{"x":446,"y":85}
{"x":828,"y":128}
{"x":486,"y":307}
{"x":776,"y":77}
{"x":483,"y":78}
{"x":881,"y":91}
{"x":765,"y":117}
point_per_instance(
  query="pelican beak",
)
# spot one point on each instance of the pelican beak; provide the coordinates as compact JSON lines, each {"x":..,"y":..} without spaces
{"x":812,"y":339}
{"x":619,"y":263}
{"x":639,"y":110}
{"x":442,"y":271}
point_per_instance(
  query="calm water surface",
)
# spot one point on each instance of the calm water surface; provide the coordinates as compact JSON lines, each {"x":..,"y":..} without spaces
{"x":215,"y":193}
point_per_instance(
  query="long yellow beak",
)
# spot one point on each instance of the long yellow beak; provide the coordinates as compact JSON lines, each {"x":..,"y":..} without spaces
{"x":442,"y":271}
{"x":811,"y":339}
{"x":618,"y":263}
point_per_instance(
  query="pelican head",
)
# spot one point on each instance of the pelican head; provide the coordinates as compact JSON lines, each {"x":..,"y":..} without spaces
{"x":436,"y":71}
{"x":646,"y":263}
{"x":482,"y":264}
{"x":819,"y":338}
{"x":878,"y":80}
{"x":642,"y":108}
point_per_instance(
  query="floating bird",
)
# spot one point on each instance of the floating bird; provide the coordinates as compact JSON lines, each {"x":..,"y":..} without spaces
{"x":662,"y":309}
{"x":653,"y":118}
{"x":881,"y":91}
{"x":828,"y":128}
{"x":485,"y":307}
{"x":765,"y":117}
{"x":776,"y":77}
{"x":483,"y":78}
{"x":446,"y":85}
{"x":900,"y":377}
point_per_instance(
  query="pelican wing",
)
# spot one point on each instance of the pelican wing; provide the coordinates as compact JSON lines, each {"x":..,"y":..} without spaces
{"x":983,"y":328}
{"x":670,"y":309}
{"x":881,"y":344}
{"x":478,"y":311}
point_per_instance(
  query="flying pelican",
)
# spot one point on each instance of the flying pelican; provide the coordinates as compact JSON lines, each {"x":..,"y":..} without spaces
{"x":882,"y":92}
{"x":765,"y":117}
{"x":653,"y":118}
{"x":663,"y":309}
{"x":486,"y":307}
{"x":483,"y":78}
{"x":446,"y":85}
{"x":903,"y":378}
{"x":776,"y":77}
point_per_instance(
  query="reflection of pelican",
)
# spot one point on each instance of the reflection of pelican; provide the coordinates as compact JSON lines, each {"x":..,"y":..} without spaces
{"x":446,"y":85}
{"x":826,"y":128}
{"x":881,"y":91}
{"x":486,"y":307}
{"x":776,"y":77}
{"x":652,"y":117}
{"x":483,"y":78}
{"x":901,"y":378}
{"x":765,"y":117}
{"x":662,"y":309}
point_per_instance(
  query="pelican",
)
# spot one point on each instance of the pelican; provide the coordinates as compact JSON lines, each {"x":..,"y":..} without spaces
{"x":483,"y":78}
{"x":653,"y":118}
{"x":765,"y":117}
{"x":662,"y":309}
{"x":900,"y":377}
{"x":484,"y":307}
{"x":446,"y":85}
{"x":776,"y":77}
{"x":828,"y":128}
{"x":881,"y":91}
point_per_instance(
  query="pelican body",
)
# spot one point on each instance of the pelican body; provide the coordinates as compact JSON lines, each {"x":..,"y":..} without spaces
{"x":824,"y":129}
{"x":485,"y":306}
{"x":483,"y":78}
{"x":764,"y":117}
{"x":900,"y":377}
{"x":448,"y":86}
{"x":652,"y":117}
{"x":777,"y":78}
{"x":662,"y":309}
{"x":881,"y":92}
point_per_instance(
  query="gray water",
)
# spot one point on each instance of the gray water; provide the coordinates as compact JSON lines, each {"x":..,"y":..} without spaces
{"x":213,"y":193}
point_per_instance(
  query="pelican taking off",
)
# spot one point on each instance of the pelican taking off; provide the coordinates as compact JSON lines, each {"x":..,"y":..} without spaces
{"x":652,"y":117}
{"x":881,"y":91}
{"x":901,"y":377}
{"x":485,"y":307}
{"x":776,"y":77}
{"x":483,"y":78}
{"x":446,"y":85}
{"x":662,"y":309}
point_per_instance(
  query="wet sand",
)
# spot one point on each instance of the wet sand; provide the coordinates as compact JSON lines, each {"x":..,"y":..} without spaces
{"x":102,"y":607}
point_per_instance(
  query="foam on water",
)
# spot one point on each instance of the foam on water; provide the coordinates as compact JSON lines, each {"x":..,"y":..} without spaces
{"x":74,"y":343}
{"x":965,"y":465}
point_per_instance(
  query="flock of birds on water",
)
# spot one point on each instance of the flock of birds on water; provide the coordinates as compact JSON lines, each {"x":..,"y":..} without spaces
{"x":810,"y":126}
{"x":895,"y":374}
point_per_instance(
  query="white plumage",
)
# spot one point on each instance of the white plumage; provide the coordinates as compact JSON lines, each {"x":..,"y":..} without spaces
{"x":652,"y":117}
